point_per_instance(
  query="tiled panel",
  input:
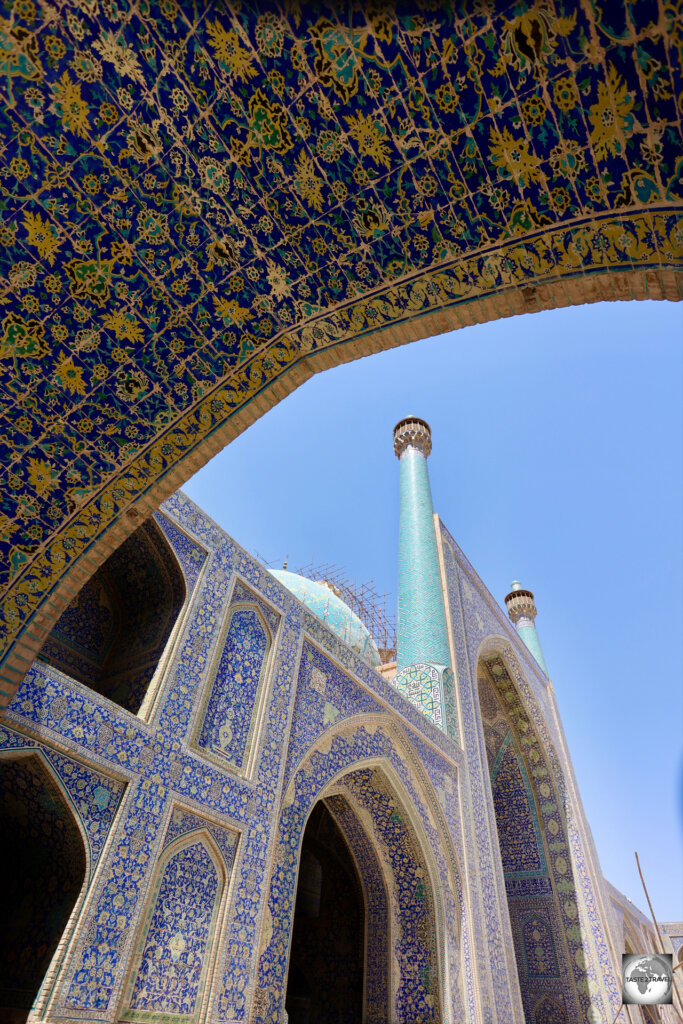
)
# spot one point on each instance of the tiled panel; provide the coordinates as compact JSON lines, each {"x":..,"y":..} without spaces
{"x":195,"y":197}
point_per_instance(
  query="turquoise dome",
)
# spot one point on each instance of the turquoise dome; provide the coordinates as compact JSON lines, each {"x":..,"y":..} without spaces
{"x":324,"y":603}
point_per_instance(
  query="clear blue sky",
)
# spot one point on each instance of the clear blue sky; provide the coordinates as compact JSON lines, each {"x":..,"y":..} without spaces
{"x":558,"y":460}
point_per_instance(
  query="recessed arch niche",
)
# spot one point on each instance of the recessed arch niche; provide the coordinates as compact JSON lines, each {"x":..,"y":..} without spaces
{"x":227,"y":726}
{"x":44,"y":863}
{"x":113,"y":634}
{"x":172,"y":955}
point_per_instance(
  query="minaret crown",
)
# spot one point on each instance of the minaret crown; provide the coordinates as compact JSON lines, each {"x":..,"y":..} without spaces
{"x":520,"y":603}
{"x":412,"y":432}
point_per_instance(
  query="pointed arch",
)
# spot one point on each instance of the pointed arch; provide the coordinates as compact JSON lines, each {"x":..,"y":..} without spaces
{"x":377,"y":909}
{"x":549,"y":1011}
{"x":364,"y":745}
{"x":113,"y":634}
{"x":328,"y":947}
{"x":45,"y":865}
{"x":529,"y":799}
{"x":232,"y":708}
{"x":171,"y":962}
{"x":382,"y":807}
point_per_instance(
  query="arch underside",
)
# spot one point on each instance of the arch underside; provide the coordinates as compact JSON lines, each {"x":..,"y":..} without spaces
{"x":401,"y":972}
{"x":199,"y":215}
{"x":340,"y":924}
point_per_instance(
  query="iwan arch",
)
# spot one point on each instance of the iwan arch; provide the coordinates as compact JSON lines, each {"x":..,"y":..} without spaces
{"x":201,"y":208}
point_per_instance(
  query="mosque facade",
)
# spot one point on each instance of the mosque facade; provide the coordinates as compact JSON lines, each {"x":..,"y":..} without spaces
{"x":222,"y":806}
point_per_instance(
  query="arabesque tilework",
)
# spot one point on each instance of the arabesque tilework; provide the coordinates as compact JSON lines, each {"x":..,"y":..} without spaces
{"x":173,"y":962}
{"x":186,"y":906}
{"x":229,"y":718}
{"x":572,"y":895}
{"x":202,"y":204}
{"x":423,"y":686}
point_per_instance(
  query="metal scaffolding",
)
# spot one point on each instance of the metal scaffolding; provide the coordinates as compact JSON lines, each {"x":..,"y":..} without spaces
{"x":362,"y":598}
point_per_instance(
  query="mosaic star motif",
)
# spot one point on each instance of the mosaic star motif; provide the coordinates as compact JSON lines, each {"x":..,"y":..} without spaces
{"x":195,"y":198}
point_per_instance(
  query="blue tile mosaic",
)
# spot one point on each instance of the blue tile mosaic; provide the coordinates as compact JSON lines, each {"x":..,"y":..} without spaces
{"x":179,"y":839}
{"x":228,"y":719}
{"x":173,"y":960}
{"x":200,"y":197}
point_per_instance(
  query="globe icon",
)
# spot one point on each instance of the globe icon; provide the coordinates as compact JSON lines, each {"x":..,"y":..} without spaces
{"x":648,"y":980}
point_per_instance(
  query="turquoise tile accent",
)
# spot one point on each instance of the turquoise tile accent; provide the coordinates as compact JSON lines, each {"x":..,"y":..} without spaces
{"x":526,"y":627}
{"x":421,"y":631}
{"x":424,"y":686}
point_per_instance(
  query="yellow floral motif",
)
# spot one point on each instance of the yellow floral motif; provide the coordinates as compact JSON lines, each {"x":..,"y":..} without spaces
{"x":530,"y":39}
{"x":277,"y":279}
{"x":19,"y":49}
{"x":70,"y":376}
{"x":19,"y":168}
{"x":513,"y":156}
{"x":337,"y":57}
{"x":611,"y":117}
{"x":231,"y":312}
{"x":89,"y":279}
{"x":70,"y":107}
{"x":121,"y":56}
{"x":535,"y":110}
{"x":268,"y":124}
{"x":22,"y":339}
{"x":124,"y":325}
{"x":564,"y":93}
{"x":42,"y":476}
{"x":44,"y":235}
{"x":229,"y":52}
{"x":567,"y":159}
{"x":308,"y":182}
{"x":370,"y":138}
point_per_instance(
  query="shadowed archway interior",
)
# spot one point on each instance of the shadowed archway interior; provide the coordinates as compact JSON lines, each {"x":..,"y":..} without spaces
{"x":43,"y":868}
{"x":114,"y":632}
{"x":325,"y":981}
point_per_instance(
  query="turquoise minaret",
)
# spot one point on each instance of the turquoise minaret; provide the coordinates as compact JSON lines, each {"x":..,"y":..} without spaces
{"x":522,"y":612}
{"x":423,"y":655}
{"x":421,"y":628}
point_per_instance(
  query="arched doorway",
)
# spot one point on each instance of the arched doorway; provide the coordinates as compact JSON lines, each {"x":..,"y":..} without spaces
{"x":43,"y":868}
{"x":380,"y":813}
{"x":114,"y":632}
{"x":325,"y":981}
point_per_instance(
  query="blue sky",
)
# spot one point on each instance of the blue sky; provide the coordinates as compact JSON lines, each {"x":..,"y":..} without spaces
{"x":557,"y":460}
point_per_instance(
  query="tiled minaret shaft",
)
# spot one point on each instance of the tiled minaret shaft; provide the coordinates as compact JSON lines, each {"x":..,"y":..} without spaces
{"x":522,"y":612}
{"x":421,"y":629}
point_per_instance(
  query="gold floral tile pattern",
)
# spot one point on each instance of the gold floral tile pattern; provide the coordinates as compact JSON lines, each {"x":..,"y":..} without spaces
{"x":195,"y":198}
